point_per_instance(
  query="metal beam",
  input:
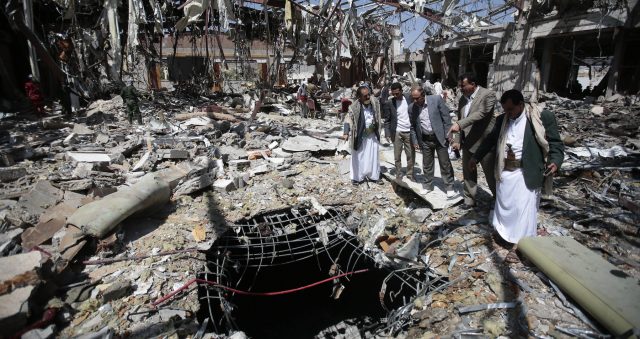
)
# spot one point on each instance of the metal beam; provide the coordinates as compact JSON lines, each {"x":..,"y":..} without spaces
{"x":428,"y":16}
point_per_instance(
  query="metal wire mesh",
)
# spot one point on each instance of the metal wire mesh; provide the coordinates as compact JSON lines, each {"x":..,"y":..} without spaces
{"x":287,"y":236}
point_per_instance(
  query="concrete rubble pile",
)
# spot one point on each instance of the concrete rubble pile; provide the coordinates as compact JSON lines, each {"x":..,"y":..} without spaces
{"x":115,"y":216}
{"x":108,"y":227}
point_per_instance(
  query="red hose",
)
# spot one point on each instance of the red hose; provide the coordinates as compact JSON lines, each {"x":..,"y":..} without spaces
{"x":259,"y":294}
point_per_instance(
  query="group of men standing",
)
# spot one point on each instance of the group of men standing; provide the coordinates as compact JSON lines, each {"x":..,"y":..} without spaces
{"x":517,"y":150}
{"x":419,"y":121}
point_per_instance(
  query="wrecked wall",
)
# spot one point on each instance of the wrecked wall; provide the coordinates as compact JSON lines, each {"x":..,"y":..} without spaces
{"x":539,"y":54}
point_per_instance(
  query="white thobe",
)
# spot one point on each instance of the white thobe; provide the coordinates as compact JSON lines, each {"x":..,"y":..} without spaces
{"x":516,"y":208}
{"x":364,"y":161}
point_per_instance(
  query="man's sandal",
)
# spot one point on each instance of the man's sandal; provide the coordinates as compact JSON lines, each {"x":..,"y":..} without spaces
{"x":512,"y":257}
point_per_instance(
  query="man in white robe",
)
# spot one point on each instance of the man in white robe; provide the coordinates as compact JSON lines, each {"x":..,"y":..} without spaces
{"x":363,"y":126}
{"x":528,"y":151}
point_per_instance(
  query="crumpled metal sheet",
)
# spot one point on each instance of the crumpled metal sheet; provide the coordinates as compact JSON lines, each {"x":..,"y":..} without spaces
{"x":192,"y":12}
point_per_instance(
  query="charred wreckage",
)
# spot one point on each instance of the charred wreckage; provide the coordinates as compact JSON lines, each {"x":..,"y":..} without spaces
{"x":227,"y":210}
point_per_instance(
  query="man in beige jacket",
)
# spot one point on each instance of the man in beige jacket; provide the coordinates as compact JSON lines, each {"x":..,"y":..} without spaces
{"x":475,"y":120}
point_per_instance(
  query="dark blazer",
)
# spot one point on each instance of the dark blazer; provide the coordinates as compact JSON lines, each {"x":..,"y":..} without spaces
{"x":533,"y":164}
{"x":390,"y":116}
{"x":439,"y":116}
{"x":477,"y":125}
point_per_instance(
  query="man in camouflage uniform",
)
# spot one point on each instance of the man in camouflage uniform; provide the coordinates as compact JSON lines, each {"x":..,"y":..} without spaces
{"x":130,"y":96}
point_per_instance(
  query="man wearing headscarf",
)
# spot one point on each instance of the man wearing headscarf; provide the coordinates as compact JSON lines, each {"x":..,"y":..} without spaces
{"x":528,"y":151}
{"x":362,"y":129}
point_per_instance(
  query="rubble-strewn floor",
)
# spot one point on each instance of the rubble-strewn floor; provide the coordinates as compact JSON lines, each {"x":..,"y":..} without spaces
{"x":111,"y":284}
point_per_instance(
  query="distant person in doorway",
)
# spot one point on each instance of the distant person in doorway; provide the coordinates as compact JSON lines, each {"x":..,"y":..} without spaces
{"x":32,"y":89}
{"x":302,"y":99}
{"x":130,"y":96}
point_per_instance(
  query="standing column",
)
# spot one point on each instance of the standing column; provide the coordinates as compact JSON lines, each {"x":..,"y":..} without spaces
{"x":547,"y":54}
{"x":462,"y":65}
{"x":115,"y":62}
{"x":28,"y":20}
{"x":614,"y":72}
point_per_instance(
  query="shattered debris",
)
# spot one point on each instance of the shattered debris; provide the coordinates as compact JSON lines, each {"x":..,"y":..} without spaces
{"x":227,"y":208}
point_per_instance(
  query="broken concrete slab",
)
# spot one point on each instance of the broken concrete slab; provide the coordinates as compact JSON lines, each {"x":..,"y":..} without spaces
{"x":114,"y":104}
{"x":40,"y":333}
{"x":420,"y":215}
{"x":82,"y":170}
{"x":81,"y":129}
{"x":70,"y":139}
{"x":262,"y":169}
{"x":593,"y":152}
{"x":598,"y":110}
{"x":232,"y":153}
{"x":143,"y":160}
{"x":128,"y":147}
{"x":224,"y":185}
{"x":167,"y":314}
{"x":31,"y":205}
{"x":8,"y":239}
{"x":76,"y":185}
{"x":51,"y":221}
{"x":79,"y":293}
{"x":8,"y":174}
{"x":19,"y":270}
{"x":102,"y":139}
{"x":436,"y":198}
{"x":116,"y":158}
{"x":117,"y":290}
{"x":173,"y":154}
{"x":88,"y":156}
{"x":280,"y":153}
{"x":14,"y":309}
{"x":239,"y":165}
{"x":197,"y":121}
{"x":241,"y":180}
{"x":303,"y":143}
{"x":193,"y":185}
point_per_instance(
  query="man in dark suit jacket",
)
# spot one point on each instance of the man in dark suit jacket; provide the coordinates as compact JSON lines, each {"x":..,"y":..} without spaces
{"x":475,"y":121}
{"x":529,"y":149}
{"x":430,"y":122}
{"x":397,"y":129}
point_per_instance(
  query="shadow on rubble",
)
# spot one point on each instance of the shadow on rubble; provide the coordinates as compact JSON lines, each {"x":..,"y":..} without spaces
{"x":137,"y":228}
{"x":509,"y":290}
{"x":131,"y":230}
{"x":215,"y":214}
{"x":408,"y":196}
{"x":503,"y":283}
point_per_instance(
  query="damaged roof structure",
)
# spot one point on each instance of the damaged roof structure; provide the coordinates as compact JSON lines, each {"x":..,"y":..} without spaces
{"x":226,"y":213}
